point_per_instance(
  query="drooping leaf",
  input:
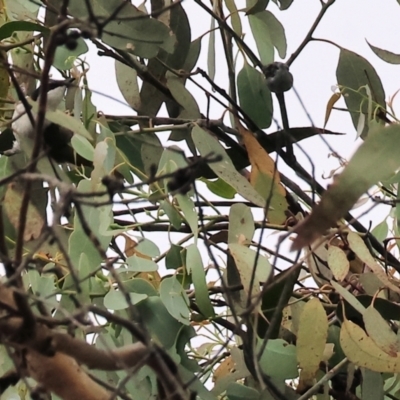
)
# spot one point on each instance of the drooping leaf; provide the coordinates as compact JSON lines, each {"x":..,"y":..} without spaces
{"x":159,"y":321}
{"x":353,"y":73}
{"x":386,"y":308}
{"x":36,"y":214}
{"x":211,"y":51}
{"x":140,"y":264}
{"x":245,"y":260}
{"x":375,"y":160}
{"x":175,"y":299}
{"x":283,"y":4}
{"x":220,"y":188}
{"x":224,"y":169}
{"x":265,"y":178}
{"x":141,"y":36}
{"x":279,"y":359}
{"x":385,"y":55}
{"x":83,"y":147}
{"x":127,"y":81}
{"x":338,"y":262}
{"x":64,"y":58}
{"x":358,"y":246}
{"x":236,"y":391}
{"x":98,"y":219}
{"x":230,"y":370}
{"x":311,"y":339}
{"x":349,"y":297}
{"x":255,"y":6}
{"x":115,"y":300}
{"x":194,"y":265}
{"x":271,"y":299}
{"x":331,"y":102}
{"x":254,"y":96}
{"x":173,"y":215}
{"x":183,"y":97}
{"x":361,"y":350}
{"x":241,"y":224}
{"x":381,"y":230}
{"x":9,"y":28}
{"x":176,"y":19}
{"x":193,"y":55}
{"x":262,"y":37}
{"x":188,"y":209}
{"x":268,"y":33}
{"x":234,"y":16}
{"x":380,"y":332}
{"x":372,"y":386}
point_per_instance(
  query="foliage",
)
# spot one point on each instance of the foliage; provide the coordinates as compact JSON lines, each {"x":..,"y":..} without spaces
{"x":141,"y":271}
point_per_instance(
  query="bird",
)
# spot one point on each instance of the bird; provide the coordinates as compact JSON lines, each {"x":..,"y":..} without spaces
{"x":56,"y":139}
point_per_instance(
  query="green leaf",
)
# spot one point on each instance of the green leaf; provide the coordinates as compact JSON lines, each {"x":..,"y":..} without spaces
{"x":372,"y":385}
{"x":311,"y":338}
{"x":175,"y":299}
{"x":380,"y":332}
{"x":283,"y":4}
{"x":241,"y":224}
{"x":268,"y":33}
{"x":354,"y":72}
{"x":139,"y":264}
{"x":338,"y":262}
{"x":211,"y":51}
{"x":98,"y":219}
{"x":141,"y":36}
{"x":277,"y":33}
{"x":245,"y":260}
{"x":128,"y":84}
{"x":188,"y":209}
{"x":9,"y":28}
{"x":178,"y":90}
{"x":206,"y":144}
{"x":115,"y":300}
{"x":236,"y":391}
{"x":83,"y":147}
{"x":173,"y":215}
{"x":193,"y":55}
{"x":173,"y":259}
{"x":375,"y":160}
{"x":139,"y":285}
{"x":381,"y":230}
{"x":385,"y":55}
{"x":262,"y":37}
{"x":220,"y":188}
{"x":234,"y":16}
{"x":194,"y":265}
{"x":159,"y":321}
{"x":279,"y":359}
{"x":254,"y":96}
{"x":64,"y":58}
{"x":255,"y":6}
{"x":147,"y":247}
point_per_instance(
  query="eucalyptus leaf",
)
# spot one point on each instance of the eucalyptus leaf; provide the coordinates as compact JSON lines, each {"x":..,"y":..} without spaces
{"x":254,"y":96}
{"x":64,"y":58}
{"x":175,"y":299}
{"x":130,"y":30}
{"x":9,"y":28}
{"x":207,"y":145}
{"x":385,"y":55}
{"x":353,"y":74}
